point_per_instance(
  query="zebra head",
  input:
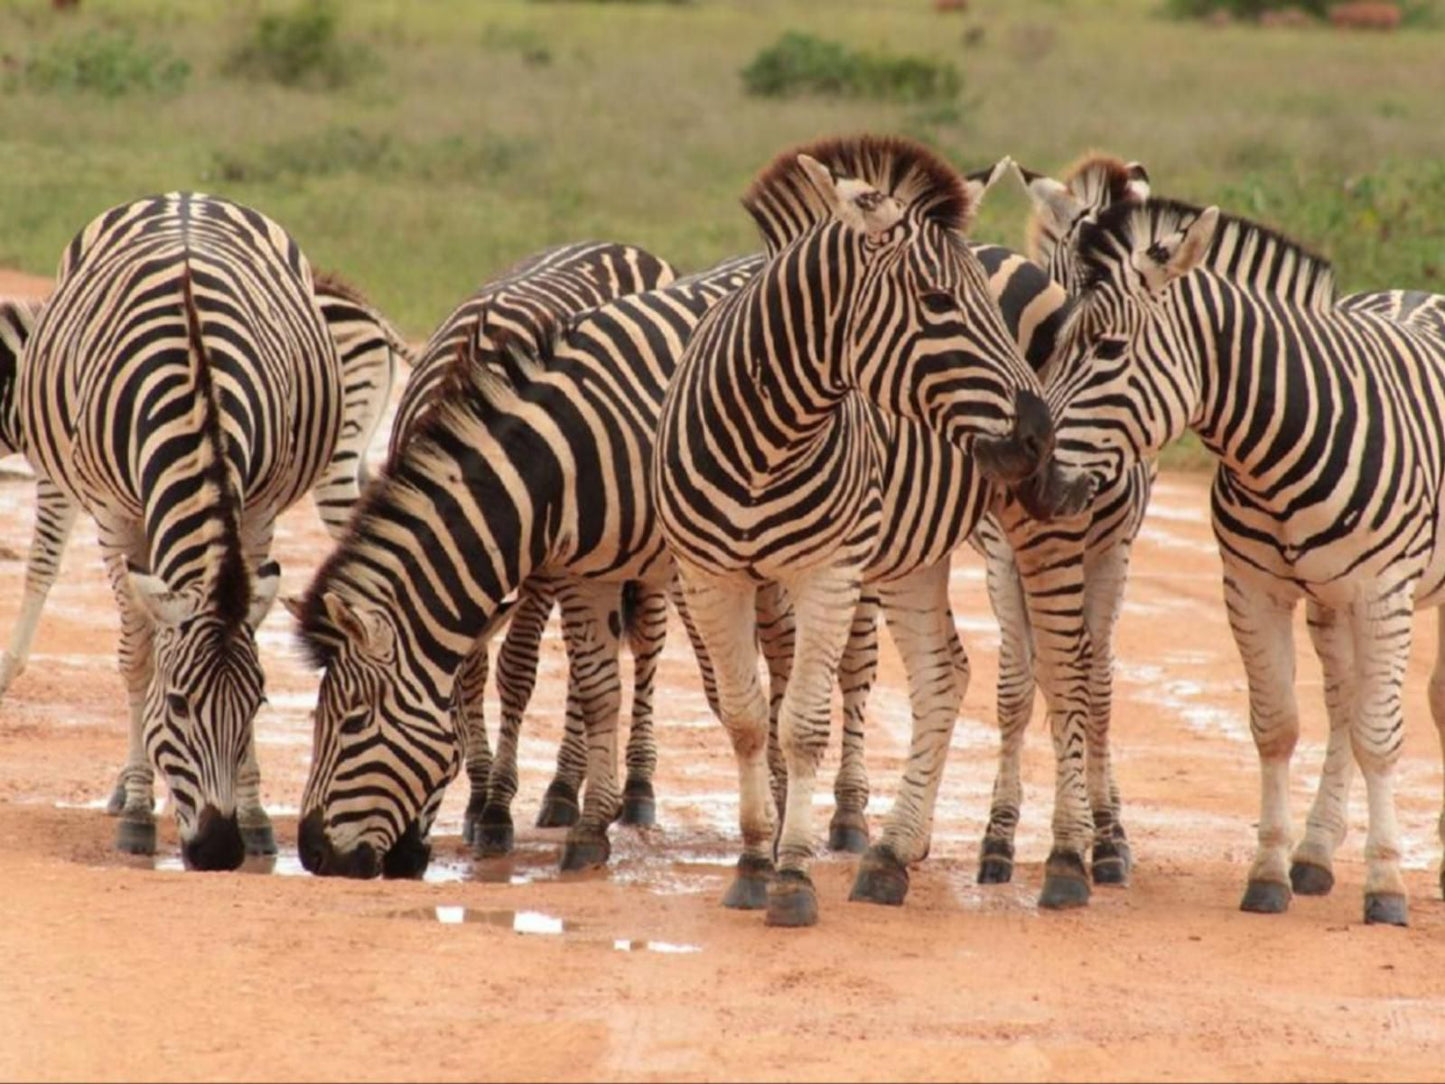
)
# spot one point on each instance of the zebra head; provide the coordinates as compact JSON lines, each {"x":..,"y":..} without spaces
{"x":1131,"y":382}
{"x":1061,"y":207}
{"x":200,"y":707}
{"x":922,"y":336}
{"x":384,"y":745}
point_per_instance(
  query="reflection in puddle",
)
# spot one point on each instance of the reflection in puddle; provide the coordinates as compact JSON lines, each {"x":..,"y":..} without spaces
{"x":534,"y":923}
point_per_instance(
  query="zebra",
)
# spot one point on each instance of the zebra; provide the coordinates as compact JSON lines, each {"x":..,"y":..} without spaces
{"x":1069,"y":573}
{"x":181,"y":387}
{"x":1324,"y":420}
{"x":523,"y":303}
{"x":368,"y":348}
{"x":776,"y":460}
{"x":530,"y":471}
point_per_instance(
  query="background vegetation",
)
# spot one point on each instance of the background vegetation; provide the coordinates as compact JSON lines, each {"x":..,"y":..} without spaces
{"x":419,"y":147}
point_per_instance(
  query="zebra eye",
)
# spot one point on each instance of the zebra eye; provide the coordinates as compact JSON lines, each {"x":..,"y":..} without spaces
{"x":178,"y":705}
{"x":355,"y":722}
{"x":1109,"y":349}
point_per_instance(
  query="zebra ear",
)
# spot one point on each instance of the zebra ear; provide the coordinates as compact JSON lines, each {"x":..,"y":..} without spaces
{"x":295,"y":606}
{"x":264,"y":585}
{"x":857,"y":204}
{"x":367,"y":629}
{"x":165,"y":607}
{"x":1178,"y":254}
{"x":1052,"y":200}
{"x":977,"y":184}
{"x":1137,"y":186}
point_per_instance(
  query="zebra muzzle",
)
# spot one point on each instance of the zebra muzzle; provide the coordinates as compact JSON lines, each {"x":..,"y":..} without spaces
{"x":318,"y":856}
{"x":1018,"y":456}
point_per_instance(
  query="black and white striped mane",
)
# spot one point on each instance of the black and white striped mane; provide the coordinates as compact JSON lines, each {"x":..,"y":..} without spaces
{"x":1097,"y":180}
{"x":785,"y":205}
{"x":1243,"y":252}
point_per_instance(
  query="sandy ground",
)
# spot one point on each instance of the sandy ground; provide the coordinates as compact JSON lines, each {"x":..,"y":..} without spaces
{"x":118,"y":968}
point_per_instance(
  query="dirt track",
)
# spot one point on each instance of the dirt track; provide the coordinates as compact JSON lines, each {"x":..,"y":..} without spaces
{"x":125,"y":969}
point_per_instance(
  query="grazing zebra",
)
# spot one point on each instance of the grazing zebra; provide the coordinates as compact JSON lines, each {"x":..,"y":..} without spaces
{"x":1325,"y":420}
{"x":181,"y":387}
{"x":784,"y":454}
{"x":505,"y":478}
{"x":523,"y":303}
{"x":368,"y":348}
{"x":1069,"y":573}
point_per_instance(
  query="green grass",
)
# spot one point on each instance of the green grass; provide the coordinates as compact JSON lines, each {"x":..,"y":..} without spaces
{"x":485,"y":131}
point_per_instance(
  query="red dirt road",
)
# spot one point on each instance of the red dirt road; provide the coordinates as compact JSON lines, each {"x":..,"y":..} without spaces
{"x":130,"y":969}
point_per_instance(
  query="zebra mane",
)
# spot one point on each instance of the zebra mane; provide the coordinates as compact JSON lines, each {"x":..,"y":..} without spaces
{"x":784,"y":204}
{"x":231,"y":587}
{"x":1242,"y":251}
{"x":1097,"y":180}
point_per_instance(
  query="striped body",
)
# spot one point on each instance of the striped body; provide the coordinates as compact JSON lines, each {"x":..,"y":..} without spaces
{"x":1325,"y":420}
{"x":182,"y":389}
{"x":531,"y":473}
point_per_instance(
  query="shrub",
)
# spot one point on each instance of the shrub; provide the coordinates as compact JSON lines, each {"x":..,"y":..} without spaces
{"x":106,"y":63}
{"x":300,"y":47}
{"x":799,"y":63}
{"x":1242,"y":9}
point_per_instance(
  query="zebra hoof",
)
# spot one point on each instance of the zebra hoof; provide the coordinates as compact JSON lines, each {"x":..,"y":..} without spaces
{"x":1265,"y":898}
{"x":1386,"y":909}
{"x":1065,"y":884}
{"x":472,"y":820}
{"x":792,"y":900}
{"x":115,"y":804}
{"x":1309,"y":879}
{"x":136,"y":837}
{"x":1109,"y":864}
{"x":492,"y":835}
{"x":996,"y":861}
{"x":881,"y":878}
{"x":639,"y":811}
{"x":848,"y":832}
{"x":749,"y":890}
{"x":587,"y":852}
{"x":559,"y":808}
{"x":259,"y":839}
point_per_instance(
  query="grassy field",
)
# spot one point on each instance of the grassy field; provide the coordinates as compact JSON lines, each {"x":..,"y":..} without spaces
{"x":481,"y":131}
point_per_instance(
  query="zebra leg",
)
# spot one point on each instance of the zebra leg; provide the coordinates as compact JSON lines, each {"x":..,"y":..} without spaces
{"x":1105,"y":574}
{"x":256,"y":832}
{"x":1437,"y":712}
{"x":1382,"y":631}
{"x":921,"y":622}
{"x":724,"y":615}
{"x":516,"y":679}
{"x":777,"y":636}
{"x":1015,"y":703}
{"x":136,"y":832}
{"x":1311,"y":871}
{"x":646,"y":630}
{"x":699,"y":649}
{"x":824,"y":601}
{"x":469,"y":719}
{"x":592,"y":626}
{"x":1264,"y":632}
{"x":54,"y":518}
{"x":848,"y":830}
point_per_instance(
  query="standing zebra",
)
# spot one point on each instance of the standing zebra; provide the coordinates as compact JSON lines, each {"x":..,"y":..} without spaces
{"x":541,"y":471}
{"x":783,"y":454}
{"x":182,"y":388}
{"x":368,"y":348}
{"x":523,"y":303}
{"x":1325,"y":420}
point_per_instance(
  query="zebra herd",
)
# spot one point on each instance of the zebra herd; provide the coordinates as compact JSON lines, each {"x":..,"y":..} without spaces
{"x":782,"y":448}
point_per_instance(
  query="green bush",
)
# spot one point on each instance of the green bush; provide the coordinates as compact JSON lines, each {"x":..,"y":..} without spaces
{"x":1242,"y":9}
{"x":106,"y":63}
{"x":799,"y":63}
{"x":301,"y":48}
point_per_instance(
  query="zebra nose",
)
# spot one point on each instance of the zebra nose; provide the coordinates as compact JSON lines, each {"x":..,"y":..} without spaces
{"x":217,"y":843}
{"x":1033,"y":426}
{"x":311,"y":843}
{"x":408,"y":856}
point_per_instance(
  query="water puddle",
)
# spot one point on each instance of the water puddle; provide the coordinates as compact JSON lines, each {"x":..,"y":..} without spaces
{"x":533,"y":923}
